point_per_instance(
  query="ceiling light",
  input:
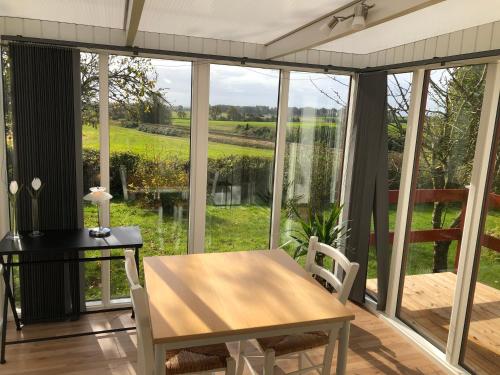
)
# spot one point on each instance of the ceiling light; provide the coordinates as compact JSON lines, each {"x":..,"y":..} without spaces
{"x":360,"y":14}
{"x":333,"y":22}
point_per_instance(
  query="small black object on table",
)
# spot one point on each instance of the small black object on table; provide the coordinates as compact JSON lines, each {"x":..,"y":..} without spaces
{"x":68,"y":242}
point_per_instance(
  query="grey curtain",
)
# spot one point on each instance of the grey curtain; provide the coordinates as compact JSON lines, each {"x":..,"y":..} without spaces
{"x":47,"y":144}
{"x":368,"y":187}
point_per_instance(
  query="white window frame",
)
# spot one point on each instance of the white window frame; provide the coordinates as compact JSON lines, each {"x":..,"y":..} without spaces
{"x":449,"y":359}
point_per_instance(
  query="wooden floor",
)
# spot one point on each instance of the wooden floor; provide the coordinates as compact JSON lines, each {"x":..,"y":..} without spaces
{"x":375,"y":348}
{"x":426,"y":306}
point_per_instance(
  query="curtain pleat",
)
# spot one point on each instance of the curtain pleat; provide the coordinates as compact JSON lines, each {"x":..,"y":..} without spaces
{"x":45,"y":146}
{"x":367,"y":179}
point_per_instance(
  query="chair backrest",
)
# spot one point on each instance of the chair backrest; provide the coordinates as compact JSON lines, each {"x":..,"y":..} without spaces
{"x":145,"y":348}
{"x":343,"y":288}
{"x":131,"y":268}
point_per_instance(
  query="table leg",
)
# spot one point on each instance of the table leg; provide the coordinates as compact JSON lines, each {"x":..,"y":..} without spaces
{"x":343,"y":348}
{"x":4,"y":325}
{"x":159,"y":359}
{"x":8,"y":290}
{"x":136,"y":257}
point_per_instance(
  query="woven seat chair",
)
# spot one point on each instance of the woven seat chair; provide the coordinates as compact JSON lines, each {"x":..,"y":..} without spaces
{"x":195,"y":360}
{"x":296,"y":346}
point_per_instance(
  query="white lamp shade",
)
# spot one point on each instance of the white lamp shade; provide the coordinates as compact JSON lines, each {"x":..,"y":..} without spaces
{"x":98,"y":194}
{"x":358,"y":22}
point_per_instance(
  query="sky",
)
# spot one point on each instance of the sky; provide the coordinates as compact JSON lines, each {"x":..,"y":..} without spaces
{"x":247,"y":86}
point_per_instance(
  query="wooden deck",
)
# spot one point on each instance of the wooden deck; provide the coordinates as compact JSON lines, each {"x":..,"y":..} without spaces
{"x":427,"y":302}
{"x":375,"y":348}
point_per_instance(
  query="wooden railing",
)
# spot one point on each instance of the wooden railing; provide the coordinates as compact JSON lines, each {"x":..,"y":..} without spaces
{"x":445,"y":234}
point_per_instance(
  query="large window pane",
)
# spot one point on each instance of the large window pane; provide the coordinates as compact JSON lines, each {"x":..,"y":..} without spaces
{"x":315,"y":137}
{"x":241,"y":135}
{"x":398,"y":101}
{"x":149,"y":117}
{"x":481,"y":351}
{"x":89,"y":73}
{"x":446,"y":153}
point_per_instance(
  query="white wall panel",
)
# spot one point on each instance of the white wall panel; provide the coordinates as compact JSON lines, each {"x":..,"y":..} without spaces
{"x":67,"y":31}
{"x":430,"y":48}
{"x":495,"y":38}
{"x":469,"y":40}
{"x":442,"y":45}
{"x":152,"y":40}
{"x":483,"y":37}
{"x":455,"y":44}
{"x":480,"y":38}
{"x":32,"y":28}
{"x":85,"y":33}
{"x":418,"y":50}
{"x":408,"y":52}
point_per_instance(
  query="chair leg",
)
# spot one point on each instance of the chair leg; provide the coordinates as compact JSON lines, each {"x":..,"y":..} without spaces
{"x":231,"y":366}
{"x":241,"y":360}
{"x":269,"y":360}
{"x":301,"y":360}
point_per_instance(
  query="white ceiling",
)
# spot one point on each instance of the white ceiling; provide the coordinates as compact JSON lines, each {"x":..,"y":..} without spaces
{"x":254,"y":21}
{"x":441,"y":18}
{"x":105,"y":13}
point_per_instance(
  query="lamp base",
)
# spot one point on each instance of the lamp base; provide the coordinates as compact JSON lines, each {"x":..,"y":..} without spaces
{"x":99,"y":232}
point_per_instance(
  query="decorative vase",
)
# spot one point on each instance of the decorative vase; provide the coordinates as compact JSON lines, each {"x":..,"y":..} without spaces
{"x":14,"y":230}
{"x":35,"y":220}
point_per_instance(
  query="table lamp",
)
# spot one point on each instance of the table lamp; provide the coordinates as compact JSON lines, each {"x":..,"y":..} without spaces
{"x":98,"y":195}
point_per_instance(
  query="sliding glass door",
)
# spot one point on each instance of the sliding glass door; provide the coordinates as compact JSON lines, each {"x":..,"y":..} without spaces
{"x":481,"y":344}
{"x":241,"y":143}
{"x":442,"y":171}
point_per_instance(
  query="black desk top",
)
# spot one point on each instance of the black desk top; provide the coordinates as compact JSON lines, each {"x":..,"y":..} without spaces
{"x":76,"y":240}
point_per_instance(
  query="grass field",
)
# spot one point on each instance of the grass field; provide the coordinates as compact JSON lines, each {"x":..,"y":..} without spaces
{"x":247,"y":227}
{"x":237,"y":227}
{"x":161,"y":146}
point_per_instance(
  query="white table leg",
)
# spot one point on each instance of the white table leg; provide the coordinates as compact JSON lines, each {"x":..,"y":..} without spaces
{"x":343,"y":348}
{"x":159,"y":359}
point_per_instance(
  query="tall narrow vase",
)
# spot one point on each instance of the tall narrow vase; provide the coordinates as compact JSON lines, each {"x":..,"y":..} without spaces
{"x":35,"y":220}
{"x":14,"y":230}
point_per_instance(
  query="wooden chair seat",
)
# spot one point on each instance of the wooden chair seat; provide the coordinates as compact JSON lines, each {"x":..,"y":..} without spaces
{"x":293,"y":343}
{"x":196,"y":359}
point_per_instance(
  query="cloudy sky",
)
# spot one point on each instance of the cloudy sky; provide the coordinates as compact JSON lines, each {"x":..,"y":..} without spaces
{"x":246,"y":86}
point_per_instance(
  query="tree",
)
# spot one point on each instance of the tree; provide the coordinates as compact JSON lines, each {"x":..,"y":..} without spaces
{"x":214,"y":112}
{"x":132,"y":85}
{"x":448,"y":140}
{"x":180,"y":112}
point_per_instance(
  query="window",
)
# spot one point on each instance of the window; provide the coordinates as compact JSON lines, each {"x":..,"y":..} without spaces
{"x":89,"y":73}
{"x":481,"y":348}
{"x":447,"y":139}
{"x":241,"y":142}
{"x":149,"y":141}
{"x":315,"y":135}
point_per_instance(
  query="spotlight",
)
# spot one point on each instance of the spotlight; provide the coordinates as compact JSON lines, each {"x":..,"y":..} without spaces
{"x":333,"y":22}
{"x":360,"y":14}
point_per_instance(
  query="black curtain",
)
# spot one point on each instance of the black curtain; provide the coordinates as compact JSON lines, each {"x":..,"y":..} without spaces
{"x":367,"y":178}
{"x":47,"y":144}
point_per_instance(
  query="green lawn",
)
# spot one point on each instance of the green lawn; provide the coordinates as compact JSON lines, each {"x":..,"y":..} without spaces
{"x":247,"y":227}
{"x":161,"y":146}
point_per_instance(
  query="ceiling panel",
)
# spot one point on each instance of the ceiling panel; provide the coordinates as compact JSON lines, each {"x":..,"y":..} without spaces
{"x":105,"y":13}
{"x":441,"y":18}
{"x":255,"y":21}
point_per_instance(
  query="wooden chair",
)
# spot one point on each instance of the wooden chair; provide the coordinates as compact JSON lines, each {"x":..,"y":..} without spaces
{"x":296,"y":346}
{"x":196,"y":360}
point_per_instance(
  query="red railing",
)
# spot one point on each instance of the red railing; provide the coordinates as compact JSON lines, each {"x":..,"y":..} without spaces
{"x":445,"y":234}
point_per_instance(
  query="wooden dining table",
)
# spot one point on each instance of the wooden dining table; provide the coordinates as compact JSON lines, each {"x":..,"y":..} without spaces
{"x":202,"y":299}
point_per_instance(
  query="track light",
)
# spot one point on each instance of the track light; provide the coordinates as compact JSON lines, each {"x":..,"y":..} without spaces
{"x":358,"y":17}
{"x":333,"y":22}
